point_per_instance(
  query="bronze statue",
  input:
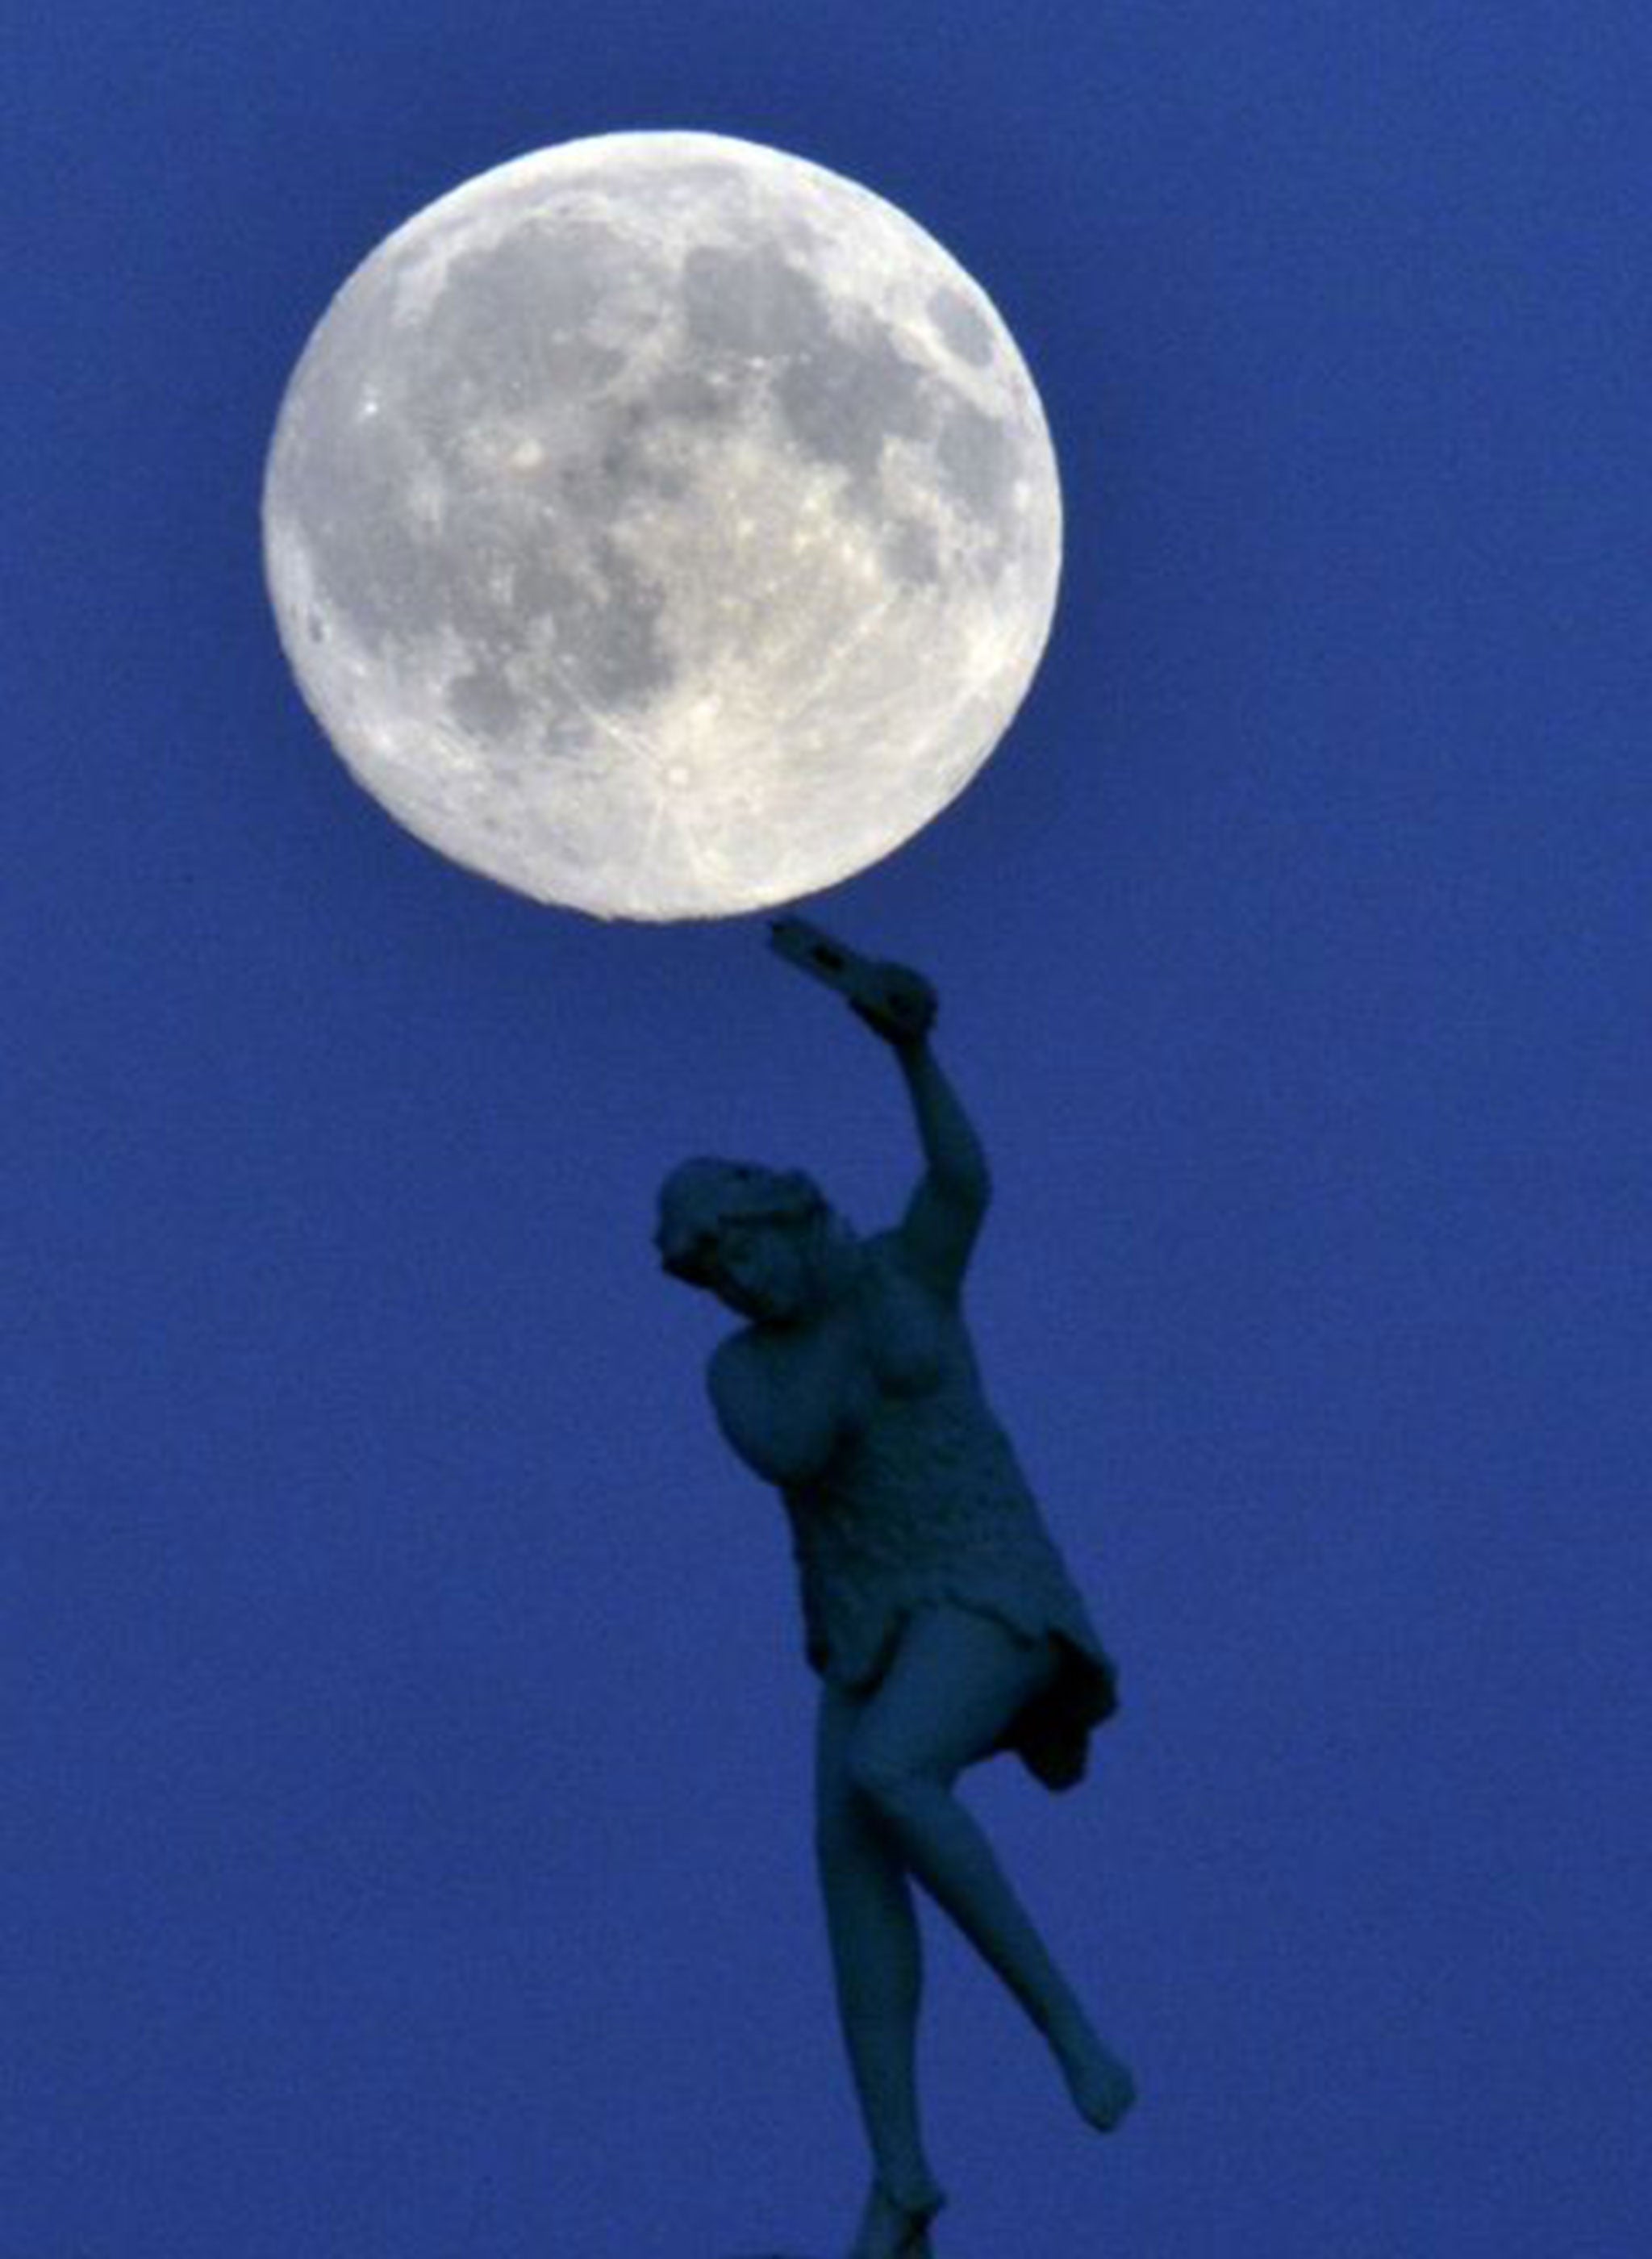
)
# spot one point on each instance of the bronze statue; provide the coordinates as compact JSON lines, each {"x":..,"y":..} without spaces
{"x":937,"y":1613}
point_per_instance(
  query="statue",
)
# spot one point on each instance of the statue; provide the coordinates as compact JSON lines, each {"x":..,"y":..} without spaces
{"x":937,"y":1613}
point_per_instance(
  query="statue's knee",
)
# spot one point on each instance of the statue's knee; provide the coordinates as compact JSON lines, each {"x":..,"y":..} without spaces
{"x":839,"y":1833}
{"x":887,"y":1782}
{"x":846,"y":1823}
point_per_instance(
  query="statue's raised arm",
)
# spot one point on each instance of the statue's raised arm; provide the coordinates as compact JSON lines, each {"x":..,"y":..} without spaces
{"x":944,"y":1215}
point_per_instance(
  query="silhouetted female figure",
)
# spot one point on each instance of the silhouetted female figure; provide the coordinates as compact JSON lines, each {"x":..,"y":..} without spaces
{"x":937,"y":1613}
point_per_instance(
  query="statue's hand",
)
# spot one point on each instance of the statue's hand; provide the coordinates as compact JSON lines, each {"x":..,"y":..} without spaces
{"x":897,"y":1002}
{"x":894,"y":1000}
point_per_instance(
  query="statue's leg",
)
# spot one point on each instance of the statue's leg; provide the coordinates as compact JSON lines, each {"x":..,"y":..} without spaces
{"x":956,"y":1680}
{"x":877,"y":1959}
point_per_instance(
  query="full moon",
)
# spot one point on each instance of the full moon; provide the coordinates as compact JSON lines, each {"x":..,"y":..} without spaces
{"x":662,"y":525}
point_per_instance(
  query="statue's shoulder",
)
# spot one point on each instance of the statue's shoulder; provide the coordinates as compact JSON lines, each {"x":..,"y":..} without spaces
{"x":886,"y":1265}
{"x":908,"y":1330}
{"x":888,"y":1275}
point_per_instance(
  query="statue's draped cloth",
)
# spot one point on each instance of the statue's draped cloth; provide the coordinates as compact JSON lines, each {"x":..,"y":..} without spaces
{"x":926,"y":1503}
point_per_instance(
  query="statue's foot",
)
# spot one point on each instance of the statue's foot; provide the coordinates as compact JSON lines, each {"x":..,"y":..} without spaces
{"x":897,"y":2227}
{"x":1100,"y":2086}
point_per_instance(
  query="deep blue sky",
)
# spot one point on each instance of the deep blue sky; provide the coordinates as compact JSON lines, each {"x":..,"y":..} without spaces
{"x":405,"y":1735}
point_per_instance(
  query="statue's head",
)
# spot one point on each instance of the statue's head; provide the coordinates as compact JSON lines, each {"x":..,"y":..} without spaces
{"x":765,"y":1241}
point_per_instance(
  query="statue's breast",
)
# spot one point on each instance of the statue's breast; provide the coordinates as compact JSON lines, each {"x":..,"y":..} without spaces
{"x":784,"y":1400}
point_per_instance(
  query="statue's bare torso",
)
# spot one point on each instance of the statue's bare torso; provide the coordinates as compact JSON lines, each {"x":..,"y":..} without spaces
{"x":788,"y":1398}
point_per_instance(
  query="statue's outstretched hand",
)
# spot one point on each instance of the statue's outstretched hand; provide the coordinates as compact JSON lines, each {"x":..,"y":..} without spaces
{"x":898,"y":1003}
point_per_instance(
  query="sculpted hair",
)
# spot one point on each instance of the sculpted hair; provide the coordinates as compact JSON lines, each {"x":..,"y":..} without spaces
{"x":703,"y":1193}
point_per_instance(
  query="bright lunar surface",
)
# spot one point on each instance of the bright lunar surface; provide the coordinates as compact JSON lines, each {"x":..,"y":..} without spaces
{"x":662,"y":525}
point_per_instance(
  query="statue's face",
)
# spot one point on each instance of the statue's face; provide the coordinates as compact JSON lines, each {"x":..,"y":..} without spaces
{"x":763,"y":1270}
{"x":758,"y":1267}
